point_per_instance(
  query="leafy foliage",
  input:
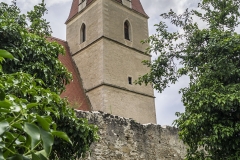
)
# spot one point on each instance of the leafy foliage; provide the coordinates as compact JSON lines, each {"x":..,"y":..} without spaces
{"x":34,"y":120}
{"x":33,"y":53}
{"x":46,"y":106}
{"x":81,"y":133}
{"x":24,"y":134}
{"x":210,"y":125}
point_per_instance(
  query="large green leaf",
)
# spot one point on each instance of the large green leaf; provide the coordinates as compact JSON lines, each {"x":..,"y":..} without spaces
{"x":35,"y":157}
{"x":44,"y":123}
{"x":3,"y":127}
{"x":2,"y":95}
{"x":5,"y":104}
{"x":62,"y":135}
{"x":9,"y":135}
{"x":34,"y":132}
{"x":42,"y":155}
{"x":18,"y":126}
{"x":47,"y":139}
{"x":5,"y":54}
{"x":32,"y":105}
{"x":3,"y":110}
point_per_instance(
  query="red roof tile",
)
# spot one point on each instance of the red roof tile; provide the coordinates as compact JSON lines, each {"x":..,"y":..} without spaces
{"x":74,"y":91}
{"x":74,"y":9}
{"x":136,"y":5}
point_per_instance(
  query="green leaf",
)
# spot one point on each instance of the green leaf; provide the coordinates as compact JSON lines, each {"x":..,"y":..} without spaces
{"x":45,"y":124}
{"x":47,"y":139}
{"x":9,"y":135}
{"x":5,"y":104}
{"x":5,"y":54}
{"x":33,"y":131}
{"x":2,"y":110}
{"x":42,"y":155}
{"x":9,"y":119}
{"x":3,"y":127}
{"x":62,"y":135}
{"x":2,"y":95}
{"x":35,"y":157}
{"x":32,"y":105}
{"x":1,"y":155}
{"x":18,"y":126}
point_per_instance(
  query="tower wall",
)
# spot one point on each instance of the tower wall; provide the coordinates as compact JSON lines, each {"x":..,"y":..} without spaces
{"x":129,"y":104}
{"x":105,"y":68}
{"x":92,"y":17}
{"x":90,"y":65}
{"x":122,"y":98}
{"x":121,"y":62}
{"x":106,"y":60}
{"x":114,"y":16}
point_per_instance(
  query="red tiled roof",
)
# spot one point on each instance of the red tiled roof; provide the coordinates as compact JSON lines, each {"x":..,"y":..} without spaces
{"x":74,"y":91}
{"x":136,"y":5}
{"x":74,"y":9}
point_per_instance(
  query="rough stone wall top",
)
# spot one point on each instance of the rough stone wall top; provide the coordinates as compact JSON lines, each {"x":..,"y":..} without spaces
{"x":136,"y":5}
{"x":125,"y":139}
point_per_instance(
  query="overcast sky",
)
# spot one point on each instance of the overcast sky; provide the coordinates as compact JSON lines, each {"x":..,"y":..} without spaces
{"x":168,"y":102}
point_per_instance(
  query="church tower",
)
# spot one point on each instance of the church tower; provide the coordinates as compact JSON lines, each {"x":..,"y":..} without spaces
{"x":104,"y":40}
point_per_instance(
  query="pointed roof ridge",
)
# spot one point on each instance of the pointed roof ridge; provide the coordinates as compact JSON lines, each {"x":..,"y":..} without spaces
{"x":136,"y":6}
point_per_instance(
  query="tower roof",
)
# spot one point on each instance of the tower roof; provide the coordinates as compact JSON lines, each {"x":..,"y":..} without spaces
{"x":136,"y":5}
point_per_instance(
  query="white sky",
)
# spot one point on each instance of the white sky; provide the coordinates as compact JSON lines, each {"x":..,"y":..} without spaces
{"x":168,"y":102}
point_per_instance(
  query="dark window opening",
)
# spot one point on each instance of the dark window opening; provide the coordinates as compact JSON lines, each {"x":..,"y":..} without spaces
{"x":83,"y":33}
{"x":126,"y":30}
{"x":130,"y":80}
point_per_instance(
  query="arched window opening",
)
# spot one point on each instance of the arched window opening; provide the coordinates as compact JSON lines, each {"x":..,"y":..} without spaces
{"x":83,"y":33}
{"x":127,"y":30}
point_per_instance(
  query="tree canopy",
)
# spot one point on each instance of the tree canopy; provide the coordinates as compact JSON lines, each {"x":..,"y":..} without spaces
{"x":35,"y":123}
{"x":24,"y":133}
{"x":24,"y":36}
{"x":210,"y":125}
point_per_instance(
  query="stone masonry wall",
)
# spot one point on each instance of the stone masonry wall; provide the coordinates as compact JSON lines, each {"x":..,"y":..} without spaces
{"x":125,"y":139}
